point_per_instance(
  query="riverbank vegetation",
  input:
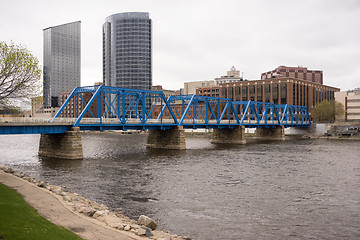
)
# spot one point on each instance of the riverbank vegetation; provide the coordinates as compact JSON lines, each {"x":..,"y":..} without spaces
{"x":18,"y":220}
{"x":327,"y":111}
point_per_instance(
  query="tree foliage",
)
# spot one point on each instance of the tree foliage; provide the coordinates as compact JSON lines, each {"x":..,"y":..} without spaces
{"x":326,"y":111}
{"x":20,"y":74}
{"x":12,"y":110}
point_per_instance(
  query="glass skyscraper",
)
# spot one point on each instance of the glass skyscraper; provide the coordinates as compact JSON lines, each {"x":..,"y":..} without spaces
{"x":127,"y":51}
{"x":62,"y":64}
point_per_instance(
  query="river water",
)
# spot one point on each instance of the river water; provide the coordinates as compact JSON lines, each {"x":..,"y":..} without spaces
{"x":296,"y":189}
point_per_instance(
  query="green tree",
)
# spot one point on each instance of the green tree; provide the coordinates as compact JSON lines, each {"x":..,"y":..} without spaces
{"x":339,"y":109}
{"x":10,"y":110}
{"x":326,"y":111}
{"x":20,"y":74}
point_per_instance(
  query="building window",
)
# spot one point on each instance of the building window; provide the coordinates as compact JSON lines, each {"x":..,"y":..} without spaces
{"x":283,"y":93}
{"x":267,"y":92}
{"x":313,"y":96}
{"x":259,"y":93}
{"x":223,"y":92}
{"x":230,"y":93}
{"x":307,"y":96}
{"x":237,"y":93}
{"x":244,"y":93}
{"x":252,"y":92}
{"x":275,"y":93}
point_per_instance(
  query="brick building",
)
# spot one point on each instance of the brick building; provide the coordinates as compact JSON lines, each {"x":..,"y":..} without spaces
{"x":166,"y":92}
{"x":284,"y":90}
{"x":71,"y":112}
{"x":315,"y":76}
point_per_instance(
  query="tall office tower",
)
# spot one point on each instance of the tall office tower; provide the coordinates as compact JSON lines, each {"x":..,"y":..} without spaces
{"x":127,"y":51}
{"x":61,"y":61}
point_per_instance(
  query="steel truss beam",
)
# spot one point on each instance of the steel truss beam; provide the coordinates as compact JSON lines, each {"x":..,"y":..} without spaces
{"x":120,"y":108}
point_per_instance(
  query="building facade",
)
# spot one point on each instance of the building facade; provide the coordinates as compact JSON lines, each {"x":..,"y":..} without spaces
{"x":127,"y":51}
{"x":290,"y":91}
{"x":351,"y":102}
{"x":232,"y":76}
{"x":315,"y":76}
{"x":166,"y":92}
{"x":190,"y":87}
{"x":36,"y":105}
{"x":73,"y":110}
{"x":62,"y":61}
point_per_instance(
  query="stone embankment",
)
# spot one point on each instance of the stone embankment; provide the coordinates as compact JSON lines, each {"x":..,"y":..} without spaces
{"x":144,"y":226}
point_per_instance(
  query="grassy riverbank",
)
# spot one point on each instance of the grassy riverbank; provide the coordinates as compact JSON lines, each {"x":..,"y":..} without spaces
{"x":18,"y":220}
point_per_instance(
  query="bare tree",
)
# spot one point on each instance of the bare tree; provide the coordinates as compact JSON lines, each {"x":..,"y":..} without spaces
{"x":20,"y":74}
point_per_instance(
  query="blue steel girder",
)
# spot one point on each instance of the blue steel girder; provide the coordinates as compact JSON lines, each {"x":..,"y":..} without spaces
{"x":136,"y":103}
{"x":146,"y":108}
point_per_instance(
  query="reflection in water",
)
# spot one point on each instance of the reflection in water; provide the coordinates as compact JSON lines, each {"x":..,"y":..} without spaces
{"x":54,"y":163}
{"x":297,"y":189}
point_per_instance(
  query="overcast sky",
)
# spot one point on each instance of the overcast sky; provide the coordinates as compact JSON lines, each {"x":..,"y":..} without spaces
{"x":197,"y":40}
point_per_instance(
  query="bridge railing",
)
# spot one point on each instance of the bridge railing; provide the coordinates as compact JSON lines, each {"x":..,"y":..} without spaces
{"x":24,"y":120}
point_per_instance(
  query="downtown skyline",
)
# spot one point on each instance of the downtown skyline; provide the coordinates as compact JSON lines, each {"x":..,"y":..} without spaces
{"x":200,"y":40}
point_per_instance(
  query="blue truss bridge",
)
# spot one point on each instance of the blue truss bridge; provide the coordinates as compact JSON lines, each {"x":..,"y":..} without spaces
{"x":109,"y":108}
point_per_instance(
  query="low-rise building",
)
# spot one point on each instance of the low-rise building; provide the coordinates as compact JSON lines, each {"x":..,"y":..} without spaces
{"x":190,"y":87}
{"x":36,"y":105}
{"x":166,"y":92}
{"x":39,"y":111}
{"x":232,"y":76}
{"x":73,"y":110}
{"x":315,"y":76}
{"x":351,"y":102}
{"x":290,"y":91}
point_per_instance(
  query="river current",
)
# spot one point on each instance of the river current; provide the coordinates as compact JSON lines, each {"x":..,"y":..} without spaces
{"x":296,"y":189}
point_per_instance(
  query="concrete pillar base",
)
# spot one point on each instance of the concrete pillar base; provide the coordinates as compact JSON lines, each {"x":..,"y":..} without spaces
{"x":229,"y":136}
{"x":167,"y":139}
{"x":65,"y":145}
{"x":276,"y":133}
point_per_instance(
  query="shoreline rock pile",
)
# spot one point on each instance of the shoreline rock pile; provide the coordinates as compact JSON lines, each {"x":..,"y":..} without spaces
{"x":145,"y":226}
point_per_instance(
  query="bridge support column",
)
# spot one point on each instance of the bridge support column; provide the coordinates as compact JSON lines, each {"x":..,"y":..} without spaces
{"x":167,"y":139}
{"x":63,"y":145}
{"x":276,"y":133}
{"x":229,"y":136}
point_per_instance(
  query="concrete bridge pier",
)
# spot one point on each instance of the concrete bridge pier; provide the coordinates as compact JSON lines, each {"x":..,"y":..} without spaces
{"x":276,"y":133}
{"x":167,"y":139}
{"x":229,"y":136}
{"x":63,"y":145}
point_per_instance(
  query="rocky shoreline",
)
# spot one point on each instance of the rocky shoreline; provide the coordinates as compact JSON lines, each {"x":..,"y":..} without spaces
{"x":144,"y":226}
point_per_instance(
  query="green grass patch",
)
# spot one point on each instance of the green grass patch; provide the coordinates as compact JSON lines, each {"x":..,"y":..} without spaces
{"x":19,"y":221}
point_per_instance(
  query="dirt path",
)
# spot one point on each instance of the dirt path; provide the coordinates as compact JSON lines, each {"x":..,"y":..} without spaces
{"x":51,"y":207}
